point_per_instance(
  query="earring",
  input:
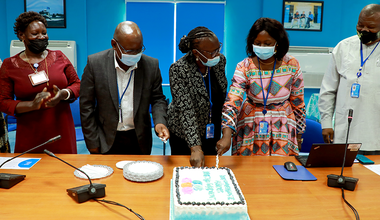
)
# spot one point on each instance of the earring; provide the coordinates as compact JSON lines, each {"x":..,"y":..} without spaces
{"x":196,"y":58}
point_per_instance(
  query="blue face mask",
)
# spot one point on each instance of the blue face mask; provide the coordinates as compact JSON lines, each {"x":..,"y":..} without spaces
{"x":128,"y":59}
{"x":264,"y":53}
{"x":210,"y":62}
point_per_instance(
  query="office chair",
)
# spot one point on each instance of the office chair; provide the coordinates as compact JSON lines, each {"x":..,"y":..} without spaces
{"x":75,"y":111}
{"x":313,"y":134}
{"x":11,"y":122}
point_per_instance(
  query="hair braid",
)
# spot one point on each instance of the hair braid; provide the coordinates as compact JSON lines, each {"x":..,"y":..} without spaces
{"x":189,"y":42}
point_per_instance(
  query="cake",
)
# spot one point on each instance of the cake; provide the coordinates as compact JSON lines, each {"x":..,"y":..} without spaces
{"x":206,"y":193}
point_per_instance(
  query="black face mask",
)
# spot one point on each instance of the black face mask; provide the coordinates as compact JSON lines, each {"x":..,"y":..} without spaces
{"x":368,"y":37}
{"x":37,"y":46}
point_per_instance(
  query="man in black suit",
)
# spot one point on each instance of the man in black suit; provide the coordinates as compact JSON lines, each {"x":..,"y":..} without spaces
{"x":118,"y":86}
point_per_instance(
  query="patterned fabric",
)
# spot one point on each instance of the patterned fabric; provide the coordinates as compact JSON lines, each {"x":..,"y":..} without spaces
{"x":285,"y":106}
{"x":4,"y":141}
{"x":188,"y":112}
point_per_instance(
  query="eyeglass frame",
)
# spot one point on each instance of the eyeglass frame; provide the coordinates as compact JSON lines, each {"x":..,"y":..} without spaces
{"x":131,"y":52}
{"x":215,"y":52}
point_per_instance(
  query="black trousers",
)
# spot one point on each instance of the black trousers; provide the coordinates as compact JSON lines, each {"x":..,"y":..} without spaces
{"x":125,"y":143}
{"x":179,"y":146}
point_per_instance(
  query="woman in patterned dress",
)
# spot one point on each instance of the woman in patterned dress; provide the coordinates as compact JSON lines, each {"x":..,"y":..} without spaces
{"x":190,"y":113}
{"x":4,"y":140}
{"x":270,"y":119}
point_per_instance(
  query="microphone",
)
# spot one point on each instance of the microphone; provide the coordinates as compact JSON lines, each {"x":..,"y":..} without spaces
{"x":350,"y":113}
{"x":341,"y":181}
{"x":8,"y":180}
{"x":83,"y":193}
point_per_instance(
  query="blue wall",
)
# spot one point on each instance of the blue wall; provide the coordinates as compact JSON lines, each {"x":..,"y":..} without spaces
{"x":3,"y":28}
{"x":102,"y":19}
{"x":91,"y":24}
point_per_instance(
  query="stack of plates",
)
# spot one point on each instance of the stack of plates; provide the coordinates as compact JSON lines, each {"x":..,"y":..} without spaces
{"x":143,"y":171}
{"x":94,"y":171}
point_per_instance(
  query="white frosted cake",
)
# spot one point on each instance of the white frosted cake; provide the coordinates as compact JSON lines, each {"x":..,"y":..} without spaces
{"x":206,"y":193}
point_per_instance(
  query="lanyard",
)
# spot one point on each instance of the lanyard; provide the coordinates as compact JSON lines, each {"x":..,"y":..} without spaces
{"x":359,"y":74}
{"x":118,"y":95}
{"x":209,"y":88}
{"x":270,"y":84}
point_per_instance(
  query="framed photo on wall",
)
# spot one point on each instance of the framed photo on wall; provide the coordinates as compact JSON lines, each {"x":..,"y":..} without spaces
{"x":54,"y":11}
{"x":302,"y":15}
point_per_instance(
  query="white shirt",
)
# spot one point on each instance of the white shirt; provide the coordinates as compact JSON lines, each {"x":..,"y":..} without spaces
{"x":127,"y":100}
{"x":335,"y":94}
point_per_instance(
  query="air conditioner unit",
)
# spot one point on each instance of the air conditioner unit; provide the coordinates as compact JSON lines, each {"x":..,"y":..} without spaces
{"x":314,"y":62}
{"x":69,"y":48}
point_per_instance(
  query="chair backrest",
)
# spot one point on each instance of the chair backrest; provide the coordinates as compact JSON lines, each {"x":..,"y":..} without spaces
{"x":11,"y":122}
{"x":75,"y":111}
{"x":313,"y":134}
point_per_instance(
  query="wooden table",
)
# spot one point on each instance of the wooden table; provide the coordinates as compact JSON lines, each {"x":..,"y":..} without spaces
{"x":42,"y":195}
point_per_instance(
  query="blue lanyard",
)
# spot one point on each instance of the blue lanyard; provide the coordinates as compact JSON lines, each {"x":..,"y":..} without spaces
{"x":270,"y":84}
{"x":359,"y":74}
{"x":117,"y":84}
{"x":209,"y":88}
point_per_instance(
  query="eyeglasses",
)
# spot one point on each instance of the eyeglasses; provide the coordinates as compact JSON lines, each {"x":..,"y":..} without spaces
{"x":215,"y":52}
{"x":131,"y":52}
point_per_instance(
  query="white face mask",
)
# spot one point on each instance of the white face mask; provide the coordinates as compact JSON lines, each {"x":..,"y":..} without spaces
{"x":210,"y":62}
{"x":264,"y":53}
{"x":128,"y":59}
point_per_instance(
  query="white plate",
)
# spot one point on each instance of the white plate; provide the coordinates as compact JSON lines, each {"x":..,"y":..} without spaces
{"x":94,"y":171}
{"x":143,"y":171}
{"x":121,"y":164}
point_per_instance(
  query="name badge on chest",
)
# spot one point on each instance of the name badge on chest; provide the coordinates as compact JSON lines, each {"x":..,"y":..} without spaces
{"x":355,"y":90}
{"x":263,"y":127}
{"x":38,"y":78}
{"x":210,"y":131}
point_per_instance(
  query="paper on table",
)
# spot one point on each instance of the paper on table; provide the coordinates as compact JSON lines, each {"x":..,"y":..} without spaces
{"x":374,"y":168}
{"x":18,"y":163}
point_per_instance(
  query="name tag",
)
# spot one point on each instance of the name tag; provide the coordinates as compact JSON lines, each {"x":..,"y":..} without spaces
{"x":355,"y":90}
{"x":209,"y":131}
{"x":38,"y":78}
{"x":263,"y":127}
{"x":120,"y":115}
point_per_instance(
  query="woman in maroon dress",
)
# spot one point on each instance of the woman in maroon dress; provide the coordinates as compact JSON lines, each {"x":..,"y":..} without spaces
{"x":37,"y":86}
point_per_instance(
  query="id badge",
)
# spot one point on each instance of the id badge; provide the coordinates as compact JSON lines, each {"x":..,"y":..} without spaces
{"x":263,"y":129}
{"x":38,"y":78}
{"x":120,"y":115}
{"x":355,"y":90}
{"x":209,"y":131}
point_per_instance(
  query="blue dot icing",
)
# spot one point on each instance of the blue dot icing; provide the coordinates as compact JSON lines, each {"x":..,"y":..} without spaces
{"x":197,"y":182}
{"x":197,"y":187}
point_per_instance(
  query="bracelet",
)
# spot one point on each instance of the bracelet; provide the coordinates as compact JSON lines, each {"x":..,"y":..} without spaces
{"x":68,"y":94}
